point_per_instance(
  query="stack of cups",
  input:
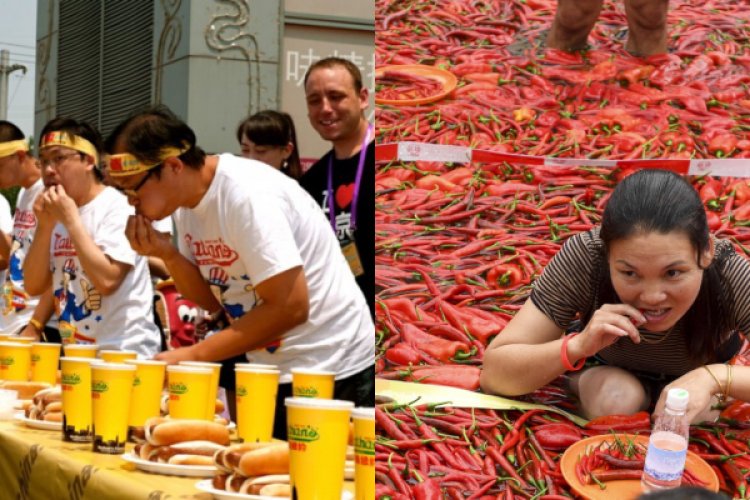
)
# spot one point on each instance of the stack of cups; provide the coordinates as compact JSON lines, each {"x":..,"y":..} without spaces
{"x":213,"y":388}
{"x":45,"y":357}
{"x":80,"y":350}
{"x":189,"y":390}
{"x":15,"y":361}
{"x":364,"y":453}
{"x":111,"y":387}
{"x":318,"y":432}
{"x":257,"y":386}
{"x":76,"y":398}
{"x":147,"y":386}
{"x":117,"y":356}
{"x":309,"y":383}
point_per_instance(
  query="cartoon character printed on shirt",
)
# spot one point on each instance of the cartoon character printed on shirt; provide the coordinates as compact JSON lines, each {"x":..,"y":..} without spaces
{"x":69,"y":310}
{"x":14,"y":298}
{"x":218,"y":279}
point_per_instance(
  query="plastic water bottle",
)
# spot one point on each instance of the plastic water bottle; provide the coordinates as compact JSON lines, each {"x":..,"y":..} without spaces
{"x":667,"y":447}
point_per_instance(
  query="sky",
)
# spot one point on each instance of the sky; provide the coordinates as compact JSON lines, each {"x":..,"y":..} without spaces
{"x":18,"y":36}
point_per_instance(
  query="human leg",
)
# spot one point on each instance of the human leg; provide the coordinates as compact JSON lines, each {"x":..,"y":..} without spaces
{"x":647,"y":26}
{"x":572,"y":24}
{"x":608,"y":390}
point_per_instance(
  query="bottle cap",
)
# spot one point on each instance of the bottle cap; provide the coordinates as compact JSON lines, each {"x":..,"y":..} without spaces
{"x":677,"y":399}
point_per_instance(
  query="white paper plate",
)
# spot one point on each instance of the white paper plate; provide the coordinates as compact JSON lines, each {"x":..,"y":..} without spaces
{"x":38,"y":424}
{"x":207,"y":487}
{"x":170,"y":469}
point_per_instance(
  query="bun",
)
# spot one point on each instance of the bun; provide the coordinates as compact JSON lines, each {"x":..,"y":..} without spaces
{"x":174,"y":431}
{"x":190,"y":460}
{"x":26,"y":390}
{"x":276,"y":490}
{"x":53,"y":407}
{"x":191,"y":448}
{"x":219,"y":407}
{"x":230,"y":458}
{"x":272,"y":459}
{"x":53,"y":417}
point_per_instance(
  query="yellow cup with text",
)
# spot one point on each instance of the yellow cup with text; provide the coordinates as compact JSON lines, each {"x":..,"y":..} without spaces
{"x":20,"y":340}
{"x":80,"y":350}
{"x":75,"y":379}
{"x":15,"y":361}
{"x":256,"y":402}
{"x":213,"y":387}
{"x":189,"y":387}
{"x":45,"y":357}
{"x":364,"y":453}
{"x":111,"y":387}
{"x":146,"y":391}
{"x":308,"y":383}
{"x":317,"y":431}
{"x":117,"y":356}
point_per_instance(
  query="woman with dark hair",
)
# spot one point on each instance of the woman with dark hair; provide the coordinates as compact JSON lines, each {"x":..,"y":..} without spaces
{"x":269,"y":136}
{"x":101,"y":286}
{"x":651,"y":294}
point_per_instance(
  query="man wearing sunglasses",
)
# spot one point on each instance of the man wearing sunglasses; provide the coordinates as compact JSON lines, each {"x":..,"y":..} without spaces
{"x":257,"y":238}
{"x":101,"y":287}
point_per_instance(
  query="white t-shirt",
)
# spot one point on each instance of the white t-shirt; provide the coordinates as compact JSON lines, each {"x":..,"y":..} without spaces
{"x":122,"y":320}
{"x":254,"y":223}
{"x":18,"y":306}
{"x":6,"y":225}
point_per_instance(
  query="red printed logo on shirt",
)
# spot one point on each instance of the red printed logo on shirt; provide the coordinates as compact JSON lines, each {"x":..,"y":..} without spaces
{"x":208,"y":252}
{"x":344,"y":195}
{"x":24,"y":219}
{"x":63,"y":246}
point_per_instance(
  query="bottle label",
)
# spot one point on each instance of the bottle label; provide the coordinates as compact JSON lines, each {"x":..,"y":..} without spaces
{"x":665,"y":458}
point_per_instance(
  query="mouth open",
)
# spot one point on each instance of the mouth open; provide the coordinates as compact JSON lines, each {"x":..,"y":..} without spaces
{"x":655,"y":315}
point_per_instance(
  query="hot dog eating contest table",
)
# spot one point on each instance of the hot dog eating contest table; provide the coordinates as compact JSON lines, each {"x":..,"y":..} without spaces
{"x":38,"y":464}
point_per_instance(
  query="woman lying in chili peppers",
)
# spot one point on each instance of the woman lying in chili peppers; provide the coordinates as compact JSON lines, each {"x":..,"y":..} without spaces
{"x":660,"y":300}
{"x":647,"y":25}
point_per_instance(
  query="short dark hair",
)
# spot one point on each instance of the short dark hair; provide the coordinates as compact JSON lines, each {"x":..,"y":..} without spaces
{"x":10,"y":132}
{"x":146,"y":132}
{"x":662,"y":201}
{"x":332,"y":62}
{"x":273,"y":128}
{"x":684,"y":493}
{"x":73,"y":127}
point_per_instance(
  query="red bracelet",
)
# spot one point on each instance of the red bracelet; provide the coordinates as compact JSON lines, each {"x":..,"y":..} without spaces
{"x":564,"y":355}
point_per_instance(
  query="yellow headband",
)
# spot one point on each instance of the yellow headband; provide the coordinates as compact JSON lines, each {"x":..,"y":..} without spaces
{"x":124,"y":164}
{"x":10,"y":147}
{"x":73,"y":142}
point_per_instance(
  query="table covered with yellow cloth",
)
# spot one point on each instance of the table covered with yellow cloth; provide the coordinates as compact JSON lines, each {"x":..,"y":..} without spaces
{"x":39,"y":465}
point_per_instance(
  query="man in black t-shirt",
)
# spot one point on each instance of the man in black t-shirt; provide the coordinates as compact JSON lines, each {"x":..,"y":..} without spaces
{"x":343,"y":180}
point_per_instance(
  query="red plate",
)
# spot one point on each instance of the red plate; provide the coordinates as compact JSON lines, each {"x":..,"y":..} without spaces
{"x":623,"y":490}
{"x":447,"y":79}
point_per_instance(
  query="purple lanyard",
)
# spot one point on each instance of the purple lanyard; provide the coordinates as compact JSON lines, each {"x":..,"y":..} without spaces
{"x":357,"y":180}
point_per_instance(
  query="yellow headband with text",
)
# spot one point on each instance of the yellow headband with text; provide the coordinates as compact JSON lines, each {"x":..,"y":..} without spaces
{"x":75,"y":142}
{"x":10,"y":147}
{"x":123,"y":164}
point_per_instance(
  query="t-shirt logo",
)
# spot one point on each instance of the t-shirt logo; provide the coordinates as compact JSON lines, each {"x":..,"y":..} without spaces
{"x":344,"y":195}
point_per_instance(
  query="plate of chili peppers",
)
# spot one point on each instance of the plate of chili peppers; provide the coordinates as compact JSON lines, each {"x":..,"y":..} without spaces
{"x":412,"y":84}
{"x":610,"y":466}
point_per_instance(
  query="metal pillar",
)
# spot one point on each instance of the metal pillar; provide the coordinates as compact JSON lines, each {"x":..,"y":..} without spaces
{"x":5,"y":70}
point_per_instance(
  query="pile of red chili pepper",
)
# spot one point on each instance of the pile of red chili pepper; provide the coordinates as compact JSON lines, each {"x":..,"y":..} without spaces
{"x":403,"y":86}
{"x":458,"y":245}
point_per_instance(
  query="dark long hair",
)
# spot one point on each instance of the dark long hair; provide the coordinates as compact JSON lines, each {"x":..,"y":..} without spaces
{"x":73,"y":127}
{"x":273,"y":128}
{"x":663,"y":202}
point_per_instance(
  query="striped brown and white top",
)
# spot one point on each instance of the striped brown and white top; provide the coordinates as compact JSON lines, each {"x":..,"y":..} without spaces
{"x":567,"y":289}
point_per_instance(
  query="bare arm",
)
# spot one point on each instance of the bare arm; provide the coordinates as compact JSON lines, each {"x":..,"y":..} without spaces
{"x":5,"y":240}
{"x":37,"y":276}
{"x":532,"y":340}
{"x":284,"y":304}
{"x":42,"y":314}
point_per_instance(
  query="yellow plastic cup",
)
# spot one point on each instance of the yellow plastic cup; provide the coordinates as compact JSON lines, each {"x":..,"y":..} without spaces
{"x":117,"y":356}
{"x":317,"y":431}
{"x":256,"y":402}
{"x":257,"y":366}
{"x":111,"y":386}
{"x":146,"y":392}
{"x":20,"y":340}
{"x":308,"y":383}
{"x":189,"y":387}
{"x":75,"y":380}
{"x":213,"y":389}
{"x":80,"y":350}
{"x":364,"y":453}
{"x":45,"y":357}
{"x":15,"y":361}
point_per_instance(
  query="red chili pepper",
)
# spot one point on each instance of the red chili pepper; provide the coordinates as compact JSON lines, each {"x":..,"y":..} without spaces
{"x":640,"y":420}
{"x":403,"y":355}
{"x":439,"y":348}
{"x":557,"y":436}
{"x":505,"y":276}
{"x":615,"y":475}
{"x":429,"y":489}
{"x":461,"y":376}
{"x":722,"y":145}
{"x":736,"y":476}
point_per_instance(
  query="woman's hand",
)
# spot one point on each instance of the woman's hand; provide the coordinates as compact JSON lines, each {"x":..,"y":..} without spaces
{"x":607,"y":325}
{"x":701,"y":386}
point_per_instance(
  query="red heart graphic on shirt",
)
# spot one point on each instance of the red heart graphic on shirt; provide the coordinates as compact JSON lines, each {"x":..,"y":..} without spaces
{"x":344,"y":195}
